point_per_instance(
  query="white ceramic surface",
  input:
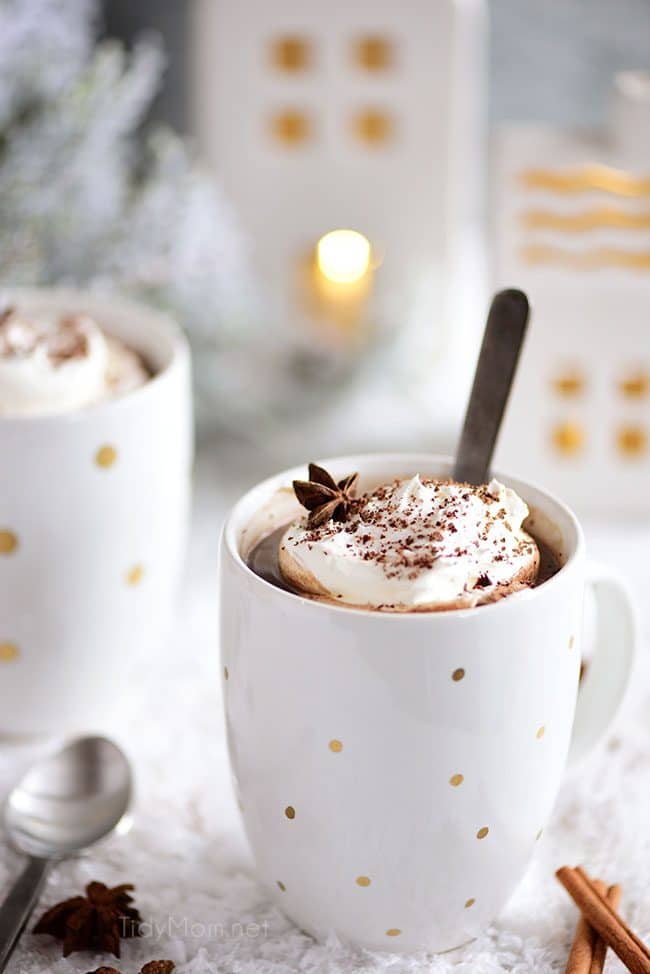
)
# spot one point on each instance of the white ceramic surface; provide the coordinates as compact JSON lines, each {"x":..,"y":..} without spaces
{"x":396,"y":771}
{"x":94,"y":510}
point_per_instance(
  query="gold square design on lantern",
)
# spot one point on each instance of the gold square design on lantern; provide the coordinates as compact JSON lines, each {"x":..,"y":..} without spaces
{"x":635,"y":385}
{"x":569,"y":383}
{"x":8,"y":652}
{"x":291,"y":54}
{"x":632,"y":441}
{"x":374,"y":53}
{"x":291,"y":126}
{"x":569,"y":438}
{"x":374,"y":126}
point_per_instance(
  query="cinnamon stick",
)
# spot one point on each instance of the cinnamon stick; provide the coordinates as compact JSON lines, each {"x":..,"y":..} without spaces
{"x":642,"y":947}
{"x":605,"y":920}
{"x":582,"y":949}
{"x":585,"y":941}
{"x":613,"y":897}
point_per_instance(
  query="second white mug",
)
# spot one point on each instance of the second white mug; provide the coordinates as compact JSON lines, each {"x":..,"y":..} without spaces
{"x":94,"y":507}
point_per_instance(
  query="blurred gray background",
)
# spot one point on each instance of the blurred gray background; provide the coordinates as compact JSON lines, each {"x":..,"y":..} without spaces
{"x":550,"y":60}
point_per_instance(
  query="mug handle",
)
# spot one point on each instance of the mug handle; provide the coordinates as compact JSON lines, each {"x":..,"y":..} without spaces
{"x":606,"y":679}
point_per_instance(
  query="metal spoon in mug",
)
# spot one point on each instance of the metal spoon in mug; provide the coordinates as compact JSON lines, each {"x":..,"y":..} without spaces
{"x":65,"y":803}
{"x":497,"y":363}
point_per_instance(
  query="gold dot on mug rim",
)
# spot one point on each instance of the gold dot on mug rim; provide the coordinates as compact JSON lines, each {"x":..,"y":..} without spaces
{"x":281,"y":885}
{"x":8,"y":541}
{"x":8,"y":652}
{"x":458,"y":674}
{"x":226,"y":674}
{"x":470,"y":902}
{"x":363,"y":880}
{"x":539,"y":835}
{"x":482,"y":832}
{"x":106,"y":456}
{"x":336,"y":746}
{"x":393,"y":932}
{"x":571,"y":642}
{"x":540,"y":732}
{"x":290,"y":811}
{"x":456,"y":780}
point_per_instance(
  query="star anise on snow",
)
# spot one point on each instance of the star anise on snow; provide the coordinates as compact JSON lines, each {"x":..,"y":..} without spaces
{"x":95,"y":921}
{"x":323,"y":497}
{"x":152,"y":967}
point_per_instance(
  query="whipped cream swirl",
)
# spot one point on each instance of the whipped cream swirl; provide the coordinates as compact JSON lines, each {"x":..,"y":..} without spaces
{"x":52,"y":364}
{"x":416,"y":544}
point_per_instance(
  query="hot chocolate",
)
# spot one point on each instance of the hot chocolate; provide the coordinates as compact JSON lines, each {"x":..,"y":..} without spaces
{"x":416,"y":544}
{"x":57,"y":363}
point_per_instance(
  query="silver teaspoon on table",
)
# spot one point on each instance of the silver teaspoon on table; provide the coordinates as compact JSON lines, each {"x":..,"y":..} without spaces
{"x":62,"y":805}
{"x":497,"y":363}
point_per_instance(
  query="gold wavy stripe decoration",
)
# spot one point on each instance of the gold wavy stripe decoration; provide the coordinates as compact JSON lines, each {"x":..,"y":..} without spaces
{"x":586,"y":220}
{"x":587,"y":260}
{"x":603,"y":179}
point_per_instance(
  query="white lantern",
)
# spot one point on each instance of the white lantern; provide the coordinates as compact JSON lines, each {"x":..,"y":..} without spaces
{"x":572,"y":227}
{"x":349,"y":137}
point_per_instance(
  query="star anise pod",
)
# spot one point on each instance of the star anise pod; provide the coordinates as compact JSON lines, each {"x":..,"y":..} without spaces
{"x":323,"y":497}
{"x":95,"y":921}
{"x":152,"y":967}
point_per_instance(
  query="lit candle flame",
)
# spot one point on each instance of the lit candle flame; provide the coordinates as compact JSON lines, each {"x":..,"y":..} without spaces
{"x":343,"y":256}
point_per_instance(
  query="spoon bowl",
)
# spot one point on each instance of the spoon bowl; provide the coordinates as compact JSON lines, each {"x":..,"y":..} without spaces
{"x":69,"y":800}
{"x":65,"y":803}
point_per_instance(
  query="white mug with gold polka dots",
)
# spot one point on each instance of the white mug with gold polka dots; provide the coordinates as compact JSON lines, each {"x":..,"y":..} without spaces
{"x":396,"y":771}
{"x":94,"y":508}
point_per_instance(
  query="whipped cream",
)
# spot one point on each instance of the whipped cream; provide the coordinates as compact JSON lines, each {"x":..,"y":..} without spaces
{"x":52,"y":364}
{"x":416,"y":544}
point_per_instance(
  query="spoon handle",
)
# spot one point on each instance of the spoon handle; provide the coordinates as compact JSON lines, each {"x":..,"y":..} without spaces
{"x":497,"y":362}
{"x":17,"y":907}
